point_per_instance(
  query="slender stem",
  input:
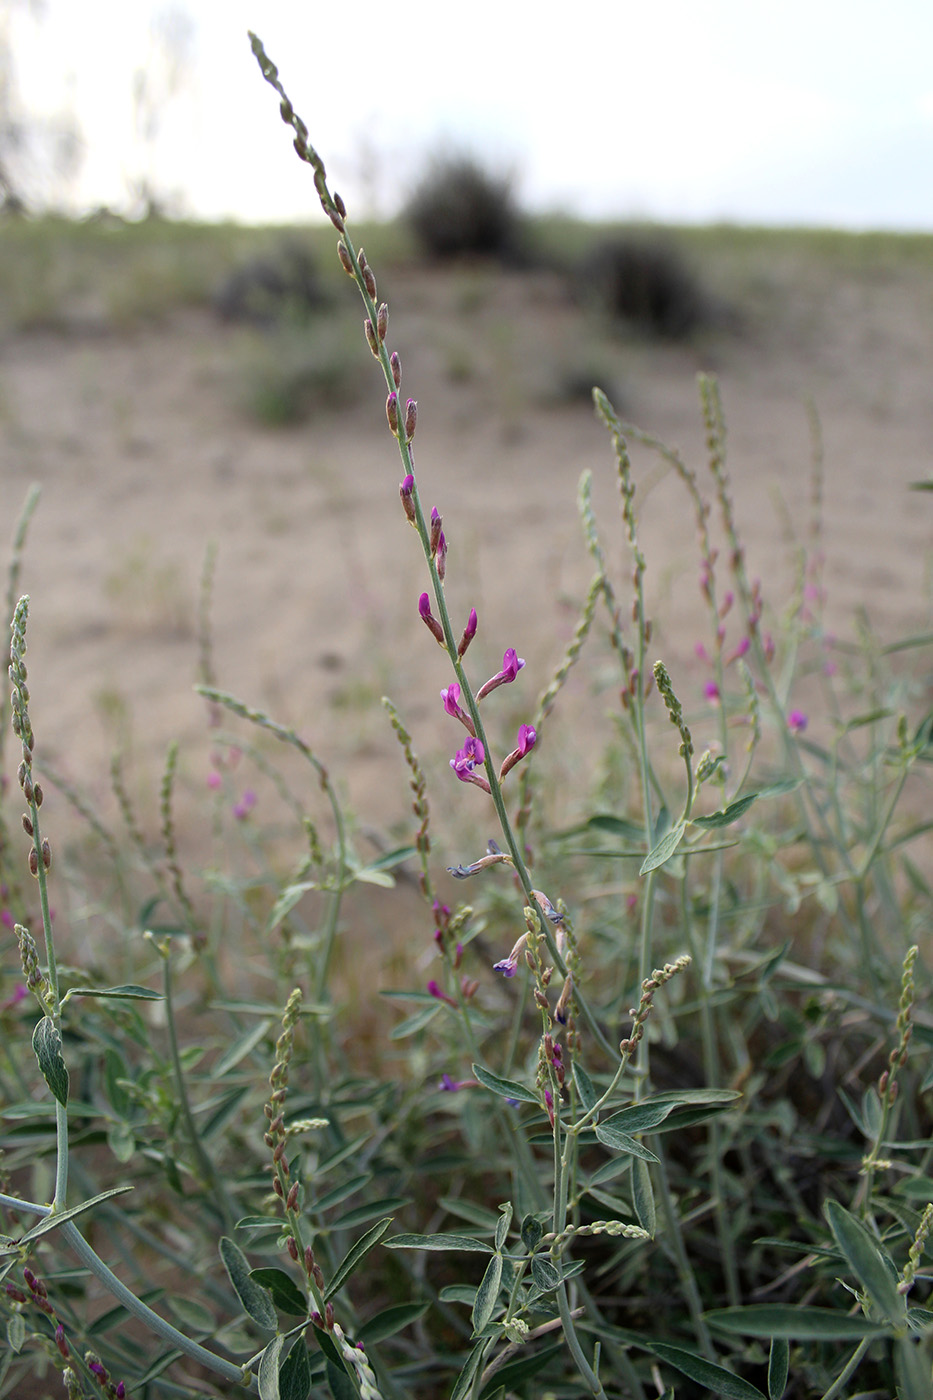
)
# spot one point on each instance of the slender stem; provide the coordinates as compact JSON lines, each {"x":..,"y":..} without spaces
{"x":836,"y":1387}
{"x":134,"y":1305}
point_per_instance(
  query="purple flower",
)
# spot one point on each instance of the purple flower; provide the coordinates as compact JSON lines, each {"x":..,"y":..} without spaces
{"x":527,"y":737}
{"x":511,"y":665}
{"x":711,"y":691}
{"x":245,"y":805}
{"x":467,"y":759}
{"x":797,"y":721}
{"x":451,"y":698}
{"x":405,"y":491}
{"x":509,"y":966}
{"x":738,"y":651}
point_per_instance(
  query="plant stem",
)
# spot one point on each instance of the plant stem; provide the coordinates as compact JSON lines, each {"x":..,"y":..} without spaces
{"x":134,"y":1305}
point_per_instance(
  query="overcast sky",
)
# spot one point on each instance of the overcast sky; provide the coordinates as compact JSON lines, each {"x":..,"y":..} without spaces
{"x":804,"y":111}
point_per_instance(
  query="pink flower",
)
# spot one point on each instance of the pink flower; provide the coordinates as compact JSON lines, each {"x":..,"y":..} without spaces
{"x":527,"y":737}
{"x":711,"y":691}
{"x":511,"y":665}
{"x":797,"y":721}
{"x":245,"y":805}
{"x":471,"y":756}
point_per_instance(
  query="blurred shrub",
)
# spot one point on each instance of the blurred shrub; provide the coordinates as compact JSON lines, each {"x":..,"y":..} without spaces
{"x":293,"y":372}
{"x":459,"y":209}
{"x":643,"y":280}
{"x":275,"y":287}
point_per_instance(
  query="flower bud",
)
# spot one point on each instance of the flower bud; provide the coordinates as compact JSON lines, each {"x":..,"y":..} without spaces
{"x":33,"y":861}
{"x":369,"y":282}
{"x":341,"y":207}
{"x":46,"y":853}
{"x":382,"y":321}
{"x":411,"y":419}
{"x":371,"y":340}
{"x":469,"y":632}
{"x":396,"y":365}
{"x":291,"y":1200}
{"x":333,"y":214}
{"x":344,"y":256}
{"x":392,"y":413}
{"x":292,"y":1248}
{"x":27,"y":825}
{"x":437,"y":522}
{"x":408,"y":504}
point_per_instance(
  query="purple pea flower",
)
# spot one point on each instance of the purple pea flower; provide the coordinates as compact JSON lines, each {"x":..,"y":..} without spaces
{"x":245,"y":805}
{"x":509,"y":966}
{"x":451,"y":698}
{"x":511,"y":665}
{"x":797,"y":721}
{"x":527,"y":737}
{"x":467,"y":759}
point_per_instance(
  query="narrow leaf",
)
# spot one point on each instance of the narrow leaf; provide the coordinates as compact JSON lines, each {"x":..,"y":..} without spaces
{"x":663,"y":850}
{"x":440,"y":1243}
{"x":415,"y":1022}
{"x":640,"y":1116}
{"x":643,"y":1196}
{"x":868,"y":1261}
{"x":354,"y":1258}
{"x":255,"y":1300}
{"x":52,"y":1221}
{"x":487,"y":1293}
{"x":506,"y":1088}
{"x":502,"y":1224}
{"x":585,"y":1088}
{"x":728,"y":815}
{"x":390,"y":1321}
{"x":128,"y":992}
{"x":622,"y":1142}
{"x":269,"y":1370}
{"x":295,"y":1373}
{"x":716,"y":1378}
{"x":778,"y":1365}
{"x":795,"y":1324}
{"x":47,"y":1043}
{"x":465,"y":1379}
{"x":240,"y":1049}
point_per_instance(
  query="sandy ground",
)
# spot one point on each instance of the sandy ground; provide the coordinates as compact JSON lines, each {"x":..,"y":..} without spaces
{"x":143,"y":458}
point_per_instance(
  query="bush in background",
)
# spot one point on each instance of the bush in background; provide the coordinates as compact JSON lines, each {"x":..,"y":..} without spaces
{"x":461,"y":210}
{"x":643,"y":280}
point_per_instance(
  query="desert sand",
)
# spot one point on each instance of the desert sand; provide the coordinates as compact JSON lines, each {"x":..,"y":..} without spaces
{"x":144,"y":457}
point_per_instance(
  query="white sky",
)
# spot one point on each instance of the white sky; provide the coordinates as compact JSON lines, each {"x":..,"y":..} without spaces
{"x":794,"y":111}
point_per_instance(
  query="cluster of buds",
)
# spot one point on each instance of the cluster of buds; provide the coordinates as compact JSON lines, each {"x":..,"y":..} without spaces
{"x":36,"y":980}
{"x":100,"y":1373}
{"x":22,"y":728}
{"x":356,"y":1357}
{"x":887,"y":1083}
{"x":276,"y":1136}
{"x":674,"y":708}
{"x":640,"y":1014}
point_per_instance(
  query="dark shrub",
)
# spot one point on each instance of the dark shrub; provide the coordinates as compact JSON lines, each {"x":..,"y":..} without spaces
{"x":461,"y":210}
{"x":282,"y":285}
{"x":643,"y":280}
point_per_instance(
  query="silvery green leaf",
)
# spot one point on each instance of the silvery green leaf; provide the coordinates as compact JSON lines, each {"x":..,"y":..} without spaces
{"x":506,"y":1088}
{"x":869,"y":1261}
{"x":269,"y":1370}
{"x":47,"y":1043}
{"x":623,"y":1142}
{"x":487,"y":1293}
{"x":663,"y":850}
{"x":545,"y":1275}
{"x":255,"y":1300}
{"x":503,"y":1223}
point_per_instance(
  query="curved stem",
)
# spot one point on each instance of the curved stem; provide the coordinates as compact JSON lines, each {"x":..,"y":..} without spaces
{"x":134,"y":1305}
